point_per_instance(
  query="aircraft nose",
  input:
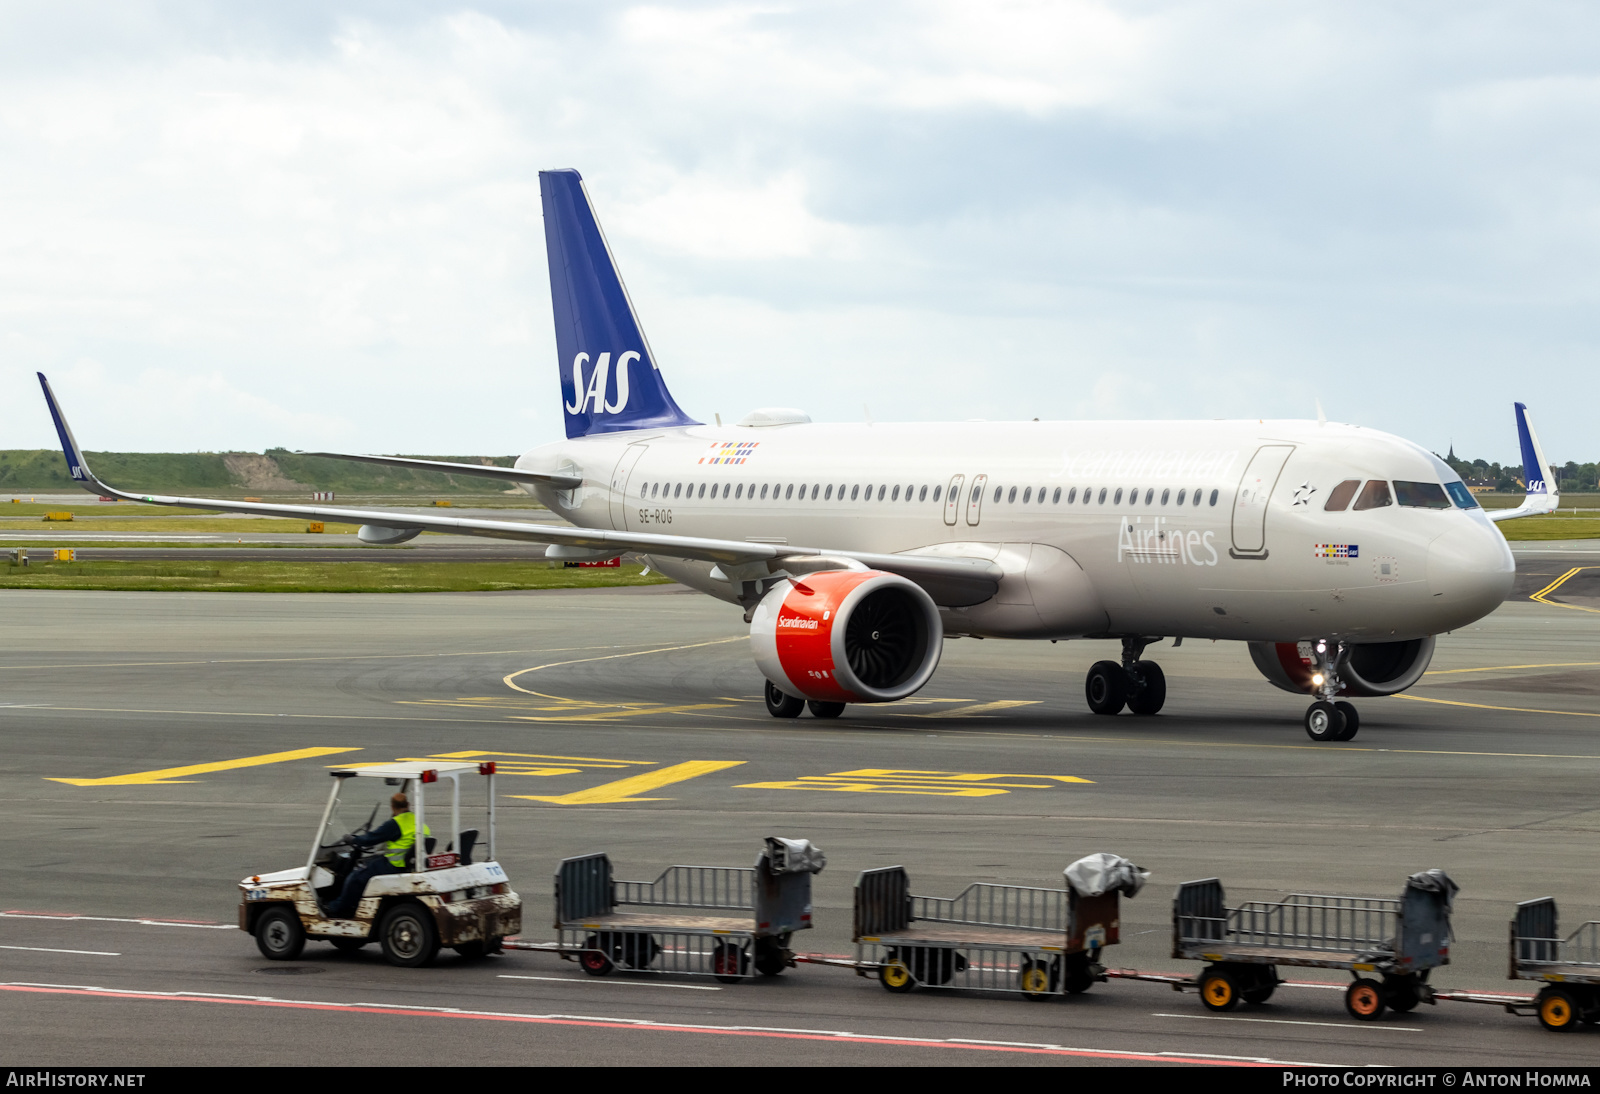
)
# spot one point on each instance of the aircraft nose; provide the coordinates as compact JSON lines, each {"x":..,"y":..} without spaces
{"x":1470,"y":572}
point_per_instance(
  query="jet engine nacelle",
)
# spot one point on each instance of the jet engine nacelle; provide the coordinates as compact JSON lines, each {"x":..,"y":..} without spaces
{"x":1374,"y":668}
{"x":847,"y":636}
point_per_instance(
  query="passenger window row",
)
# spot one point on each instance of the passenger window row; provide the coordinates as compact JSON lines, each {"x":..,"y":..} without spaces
{"x":1090,"y":497}
{"x":658,"y":491}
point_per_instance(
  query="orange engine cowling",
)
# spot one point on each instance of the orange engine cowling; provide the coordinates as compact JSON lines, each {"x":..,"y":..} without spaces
{"x":847,"y":636}
{"x":1370,"y":669}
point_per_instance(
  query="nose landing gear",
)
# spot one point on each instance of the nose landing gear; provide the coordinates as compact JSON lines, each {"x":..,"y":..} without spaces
{"x":1327,"y":719}
{"x":1140,"y":686}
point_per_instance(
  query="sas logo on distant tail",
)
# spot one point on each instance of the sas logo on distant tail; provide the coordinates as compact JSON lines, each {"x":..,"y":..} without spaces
{"x":591,"y":393}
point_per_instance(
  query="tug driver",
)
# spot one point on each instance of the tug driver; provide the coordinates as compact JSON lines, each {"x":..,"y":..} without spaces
{"x":399,"y":835}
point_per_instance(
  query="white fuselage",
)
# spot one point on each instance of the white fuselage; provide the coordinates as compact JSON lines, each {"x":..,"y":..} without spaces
{"x":1212,"y":529}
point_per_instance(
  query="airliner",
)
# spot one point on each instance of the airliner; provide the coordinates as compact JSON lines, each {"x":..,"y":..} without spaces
{"x":1335,"y":553}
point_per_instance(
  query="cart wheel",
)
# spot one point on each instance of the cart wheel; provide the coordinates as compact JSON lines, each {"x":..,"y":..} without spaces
{"x":730,"y":962}
{"x":1352,"y":720}
{"x":781,"y":704}
{"x":1038,"y":979}
{"x":1401,"y":993}
{"x":895,"y":977}
{"x":771,"y":959}
{"x":1106,"y":688}
{"x":1218,"y":990}
{"x":824,"y":710}
{"x":1364,"y":1000}
{"x":279,"y":935}
{"x":1324,"y":722}
{"x":1153,"y":695}
{"x":1078,"y":977}
{"x":408,"y":936}
{"x":1262,"y":989}
{"x":1558,"y":1010}
{"x":348,"y":945}
{"x":592,"y":961}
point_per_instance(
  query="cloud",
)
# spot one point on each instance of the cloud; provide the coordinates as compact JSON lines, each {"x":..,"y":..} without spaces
{"x":310,"y":219}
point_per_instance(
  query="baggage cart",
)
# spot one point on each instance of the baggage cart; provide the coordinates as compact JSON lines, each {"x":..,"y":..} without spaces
{"x":1397,"y":940}
{"x":1569,"y":967}
{"x":1040,"y":942}
{"x":719,"y":921}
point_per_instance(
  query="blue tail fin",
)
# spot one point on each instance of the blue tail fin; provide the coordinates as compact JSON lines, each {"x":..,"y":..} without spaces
{"x":609,"y":378}
{"x":1535,"y":471}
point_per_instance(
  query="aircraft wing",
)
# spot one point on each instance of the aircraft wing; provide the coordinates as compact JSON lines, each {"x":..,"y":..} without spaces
{"x":950,"y":581}
{"x":505,"y":474}
{"x":1543,"y":495}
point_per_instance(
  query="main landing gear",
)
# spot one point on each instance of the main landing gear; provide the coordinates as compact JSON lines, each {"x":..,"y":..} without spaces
{"x":782,"y":705}
{"x":1140,"y":686}
{"x":1327,"y":719}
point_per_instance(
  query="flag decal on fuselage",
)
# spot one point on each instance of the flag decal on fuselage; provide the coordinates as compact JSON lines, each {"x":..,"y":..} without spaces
{"x":730,"y":452}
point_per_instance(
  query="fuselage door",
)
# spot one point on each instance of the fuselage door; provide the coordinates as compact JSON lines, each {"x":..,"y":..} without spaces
{"x":619,"y":485}
{"x":975,"y":502}
{"x":1250,"y":502}
{"x":952,"y":500}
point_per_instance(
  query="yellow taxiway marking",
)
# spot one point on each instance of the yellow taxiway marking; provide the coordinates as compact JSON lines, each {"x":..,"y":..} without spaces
{"x":509,"y":679}
{"x":1508,"y":668}
{"x":1486,"y":706}
{"x":612,"y":715}
{"x":979,"y":709}
{"x":623,"y":790}
{"x":1556,"y":584}
{"x":940,"y":784}
{"x":176,"y":774}
{"x":521,"y":763}
{"x":294,"y":660}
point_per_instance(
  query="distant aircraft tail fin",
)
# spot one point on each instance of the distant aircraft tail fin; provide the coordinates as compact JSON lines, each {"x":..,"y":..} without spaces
{"x":1543,"y":493}
{"x":609,"y":378}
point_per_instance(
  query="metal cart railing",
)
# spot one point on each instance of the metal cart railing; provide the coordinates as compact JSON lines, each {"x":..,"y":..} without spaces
{"x":700,"y":920}
{"x":1398,"y":940}
{"x":1569,"y":967}
{"x":1041,"y":942}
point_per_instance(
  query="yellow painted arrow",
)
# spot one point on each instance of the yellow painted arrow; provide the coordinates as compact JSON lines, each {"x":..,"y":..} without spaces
{"x":623,"y":789}
{"x":176,"y":774}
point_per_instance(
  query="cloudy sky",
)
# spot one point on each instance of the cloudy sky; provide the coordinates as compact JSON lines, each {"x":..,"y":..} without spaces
{"x":316,"y":224}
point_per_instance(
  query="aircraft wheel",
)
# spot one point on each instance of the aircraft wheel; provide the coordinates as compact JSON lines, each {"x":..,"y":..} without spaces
{"x":824,"y":710}
{"x":279,"y":935}
{"x":1149,"y":698}
{"x":1106,"y":688}
{"x":1324,"y":722}
{"x":1352,"y":720}
{"x":781,"y":704}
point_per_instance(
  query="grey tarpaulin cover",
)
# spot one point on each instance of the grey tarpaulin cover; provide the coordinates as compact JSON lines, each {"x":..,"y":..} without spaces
{"x":1103,"y":872}
{"x":1436,"y":881}
{"x":794,"y":856}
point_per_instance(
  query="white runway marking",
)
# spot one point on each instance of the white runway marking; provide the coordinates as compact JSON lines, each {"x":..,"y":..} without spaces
{"x":47,"y":949}
{"x":67,"y":917}
{"x":1291,"y":1022}
{"x":617,"y":983}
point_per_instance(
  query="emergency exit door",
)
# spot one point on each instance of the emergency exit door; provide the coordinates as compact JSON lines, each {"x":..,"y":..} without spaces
{"x":619,"y":485}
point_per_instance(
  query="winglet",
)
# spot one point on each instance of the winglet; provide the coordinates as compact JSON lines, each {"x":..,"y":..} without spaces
{"x":69,"y":446}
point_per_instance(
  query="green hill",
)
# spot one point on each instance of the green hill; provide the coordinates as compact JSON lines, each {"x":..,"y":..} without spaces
{"x":277,"y":471}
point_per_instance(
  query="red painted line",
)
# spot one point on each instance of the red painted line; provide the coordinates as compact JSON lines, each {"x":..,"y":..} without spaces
{"x":656,"y":1027}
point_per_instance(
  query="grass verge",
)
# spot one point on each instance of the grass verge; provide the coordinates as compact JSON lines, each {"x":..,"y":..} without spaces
{"x":252,"y":576}
{"x":1553,"y":527}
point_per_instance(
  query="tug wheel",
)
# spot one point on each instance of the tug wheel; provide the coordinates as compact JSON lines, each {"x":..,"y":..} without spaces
{"x":1558,"y":1010}
{"x":408,"y":937}
{"x":279,"y":935}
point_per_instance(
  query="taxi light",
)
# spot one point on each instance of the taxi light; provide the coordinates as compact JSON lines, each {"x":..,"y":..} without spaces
{"x":430,"y":776}
{"x":486,"y":768}
{"x":1316,"y":678}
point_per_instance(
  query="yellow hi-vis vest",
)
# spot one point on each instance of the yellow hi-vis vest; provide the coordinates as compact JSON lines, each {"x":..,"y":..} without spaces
{"x":395,"y":851}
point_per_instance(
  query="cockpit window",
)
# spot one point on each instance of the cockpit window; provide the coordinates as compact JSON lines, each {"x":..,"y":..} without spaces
{"x":1461,"y":495}
{"x":1374,"y":495}
{"x":1421,"y":495}
{"x":1339,"y":497}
